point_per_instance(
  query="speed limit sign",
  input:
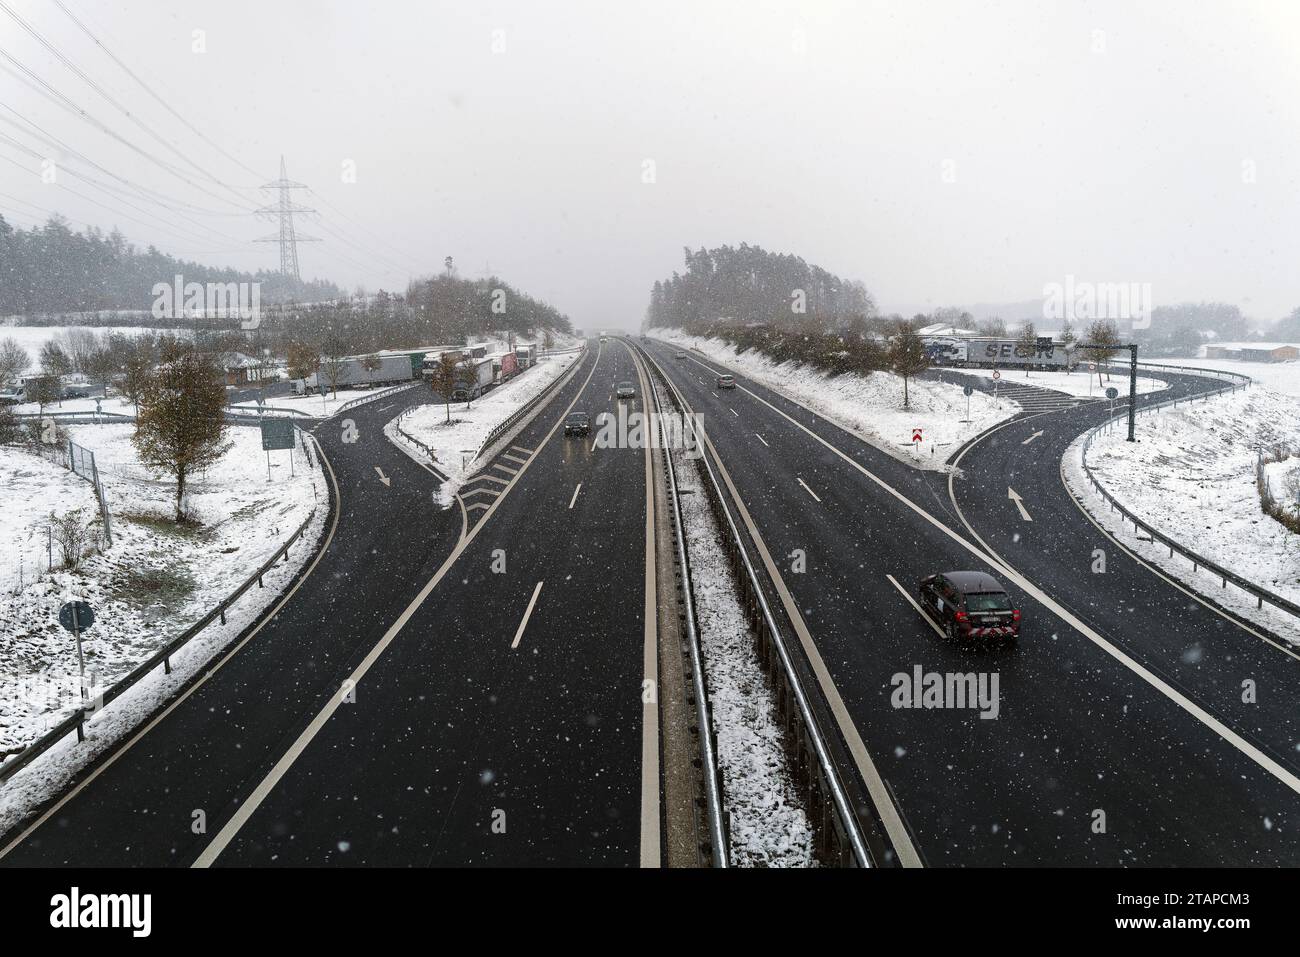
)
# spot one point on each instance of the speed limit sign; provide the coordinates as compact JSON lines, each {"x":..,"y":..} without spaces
{"x":1092,"y":367}
{"x":997,"y":374}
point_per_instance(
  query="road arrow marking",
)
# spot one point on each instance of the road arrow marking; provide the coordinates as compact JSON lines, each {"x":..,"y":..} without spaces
{"x":1032,"y":437}
{"x":382,"y":477}
{"x":1015,"y":497}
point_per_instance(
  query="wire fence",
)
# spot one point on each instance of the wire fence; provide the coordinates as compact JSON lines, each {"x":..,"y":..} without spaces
{"x":81,"y":461}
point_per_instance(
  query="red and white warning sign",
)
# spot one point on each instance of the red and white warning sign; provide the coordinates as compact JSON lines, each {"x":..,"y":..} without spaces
{"x":916,"y":435}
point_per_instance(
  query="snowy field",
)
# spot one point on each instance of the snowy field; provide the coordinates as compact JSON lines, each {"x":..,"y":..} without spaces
{"x":871,"y":407}
{"x":1079,"y":383}
{"x":155,"y":580}
{"x":769,"y":824}
{"x":33,"y":338}
{"x":455,"y":443}
{"x":118,"y":405}
{"x":1281,"y":377}
{"x":1192,"y":477}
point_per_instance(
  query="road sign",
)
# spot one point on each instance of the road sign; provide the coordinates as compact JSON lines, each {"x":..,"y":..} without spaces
{"x":997,"y":374}
{"x":84,"y":616}
{"x":967,"y":389}
{"x":1092,"y":367}
{"x":1112,"y":392}
{"x":916,"y":435}
{"x":277,"y":434}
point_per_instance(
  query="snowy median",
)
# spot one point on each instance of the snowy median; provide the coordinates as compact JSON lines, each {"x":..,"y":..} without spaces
{"x":451,"y":447}
{"x":1191,"y":477}
{"x":871,"y":407}
{"x":156,"y":580}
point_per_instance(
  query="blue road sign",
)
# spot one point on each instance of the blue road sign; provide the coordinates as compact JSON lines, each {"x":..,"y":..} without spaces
{"x":85,"y":617}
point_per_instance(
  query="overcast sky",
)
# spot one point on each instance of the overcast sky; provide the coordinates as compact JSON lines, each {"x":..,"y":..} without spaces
{"x":943,"y":153}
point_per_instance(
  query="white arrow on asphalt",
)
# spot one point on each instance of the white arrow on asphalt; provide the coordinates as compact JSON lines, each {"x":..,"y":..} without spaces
{"x":1032,"y":437}
{"x":1015,"y":497}
{"x":382,"y":477}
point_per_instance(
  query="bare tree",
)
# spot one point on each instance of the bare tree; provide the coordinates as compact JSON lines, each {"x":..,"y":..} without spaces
{"x":14,"y":361}
{"x":907,"y":356}
{"x":332,"y":361}
{"x":72,"y":533}
{"x":181,"y":427}
{"x":43,"y":389}
{"x":303,"y":361}
{"x":445,"y":375}
{"x":1104,"y":336}
{"x":1068,"y":340}
{"x":1027,"y":344}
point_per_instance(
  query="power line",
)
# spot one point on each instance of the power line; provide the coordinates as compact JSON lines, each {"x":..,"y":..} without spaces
{"x":107,"y":97}
{"x":167,"y":106}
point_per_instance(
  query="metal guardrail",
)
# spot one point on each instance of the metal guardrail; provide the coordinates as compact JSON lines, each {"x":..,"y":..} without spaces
{"x":76,"y":721}
{"x":525,"y":409}
{"x":1261,"y":595}
{"x":382,"y":393}
{"x":719,"y":838}
{"x":838,"y":832}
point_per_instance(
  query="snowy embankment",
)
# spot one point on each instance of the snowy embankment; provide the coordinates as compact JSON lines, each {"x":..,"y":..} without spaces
{"x":1191,"y":476}
{"x":769,"y":825}
{"x":454,"y":444}
{"x":156,"y":580}
{"x":1281,"y":377}
{"x":871,"y":406}
{"x":1080,"y":383}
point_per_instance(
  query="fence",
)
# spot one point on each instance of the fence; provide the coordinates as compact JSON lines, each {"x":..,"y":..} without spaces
{"x":76,"y":721}
{"x":1198,"y":561}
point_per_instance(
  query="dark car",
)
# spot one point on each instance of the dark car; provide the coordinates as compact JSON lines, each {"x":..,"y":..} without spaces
{"x":577,"y":423}
{"x":75,"y":393}
{"x":726,"y":382}
{"x":626,"y":390}
{"x":970,"y":605}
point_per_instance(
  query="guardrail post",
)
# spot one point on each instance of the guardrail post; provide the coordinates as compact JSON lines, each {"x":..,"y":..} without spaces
{"x":167,"y":665}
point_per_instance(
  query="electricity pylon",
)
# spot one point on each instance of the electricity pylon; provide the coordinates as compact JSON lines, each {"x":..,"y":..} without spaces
{"x":284,"y":210}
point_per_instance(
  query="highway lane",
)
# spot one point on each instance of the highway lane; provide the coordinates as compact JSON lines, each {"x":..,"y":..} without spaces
{"x":503,"y":723}
{"x":211,"y":748}
{"x":1077,"y":733}
{"x":1206,"y":654}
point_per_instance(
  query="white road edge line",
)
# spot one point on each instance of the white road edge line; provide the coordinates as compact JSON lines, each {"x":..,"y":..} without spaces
{"x":575,"y":495}
{"x":528,"y":613}
{"x":915,"y":604}
{"x":1172,"y":694}
{"x":272,"y":778}
{"x":807,"y":489}
{"x":761,"y":439}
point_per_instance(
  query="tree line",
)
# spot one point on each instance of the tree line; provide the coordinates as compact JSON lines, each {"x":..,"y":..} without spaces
{"x":51,"y":270}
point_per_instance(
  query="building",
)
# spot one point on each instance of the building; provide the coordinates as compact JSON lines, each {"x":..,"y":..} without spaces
{"x":1254,"y":351}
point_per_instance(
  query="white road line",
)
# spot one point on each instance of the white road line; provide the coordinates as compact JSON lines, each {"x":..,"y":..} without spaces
{"x":915,"y":604}
{"x":761,"y":439}
{"x":254,"y":800}
{"x":593,"y":444}
{"x":1014,"y":496}
{"x":528,"y":613}
{"x":1230,"y":737}
{"x":734,"y":412}
{"x":1032,"y":437}
{"x":210,"y":669}
{"x":575,"y":495}
{"x":806,"y":488}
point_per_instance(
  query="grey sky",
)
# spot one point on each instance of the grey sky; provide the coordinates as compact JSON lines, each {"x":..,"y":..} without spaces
{"x":821,"y":128}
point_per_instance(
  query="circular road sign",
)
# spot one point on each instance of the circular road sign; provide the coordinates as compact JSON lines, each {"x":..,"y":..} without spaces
{"x":997,"y":374}
{"x":1092,"y":367}
{"x":967,"y":389}
{"x":1112,"y":392}
{"x":85,"y":617}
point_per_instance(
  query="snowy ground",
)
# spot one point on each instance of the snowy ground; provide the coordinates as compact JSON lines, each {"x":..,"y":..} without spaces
{"x":1281,"y":377}
{"x":118,"y":405}
{"x":455,"y":444}
{"x":33,"y":338}
{"x":155,"y":580}
{"x":315,"y":406}
{"x":1079,"y":383}
{"x":769,"y":825}
{"x":1192,"y":477}
{"x":870,"y":407}
{"x":33,"y":487}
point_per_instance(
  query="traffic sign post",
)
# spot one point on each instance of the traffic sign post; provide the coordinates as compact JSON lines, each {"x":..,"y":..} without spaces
{"x":277,"y":434}
{"x":76,"y":617}
{"x":968,"y":390}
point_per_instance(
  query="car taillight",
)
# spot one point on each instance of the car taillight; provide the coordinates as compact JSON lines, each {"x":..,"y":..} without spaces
{"x":1015,"y":614}
{"x":960,"y":616}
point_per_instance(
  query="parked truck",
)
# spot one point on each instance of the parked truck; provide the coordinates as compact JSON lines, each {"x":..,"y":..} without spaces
{"x":473,"y":378}
{"x":351,"y":373}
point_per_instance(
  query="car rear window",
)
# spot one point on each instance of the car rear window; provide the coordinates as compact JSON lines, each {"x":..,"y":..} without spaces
{"x":988,"y":601}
